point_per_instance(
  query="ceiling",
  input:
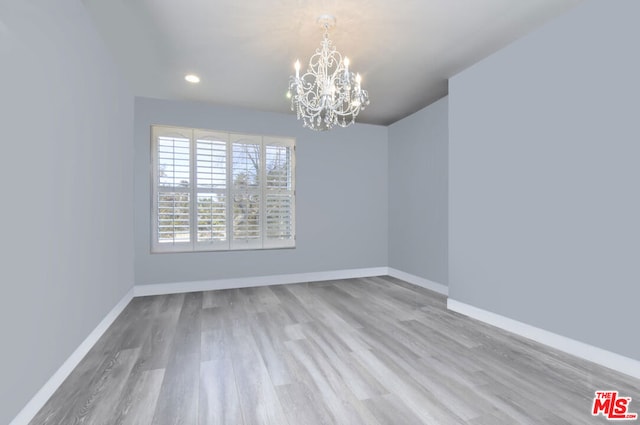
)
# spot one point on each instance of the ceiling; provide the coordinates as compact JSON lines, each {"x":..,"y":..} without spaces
{"x":244,"y":50}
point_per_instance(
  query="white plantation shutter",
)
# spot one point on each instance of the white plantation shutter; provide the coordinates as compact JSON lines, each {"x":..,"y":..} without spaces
{"x":246,"y":175}
{"x":219,"y":191}
{"x":279,"y":193}
{"x":212,"y":191}
{"x":172,"y":180}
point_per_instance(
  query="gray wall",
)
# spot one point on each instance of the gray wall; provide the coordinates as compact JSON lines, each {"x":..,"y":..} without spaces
{"x":67,"y":188}
{"x":545,"y":180}
{"x":341,"y":185}
{"x":418,"y":199}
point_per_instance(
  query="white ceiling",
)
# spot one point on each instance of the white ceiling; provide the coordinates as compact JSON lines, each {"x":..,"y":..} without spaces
{"x":244,"y":50}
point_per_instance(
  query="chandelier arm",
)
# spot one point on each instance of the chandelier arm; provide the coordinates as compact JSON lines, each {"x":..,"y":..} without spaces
{"x":310,"y":98}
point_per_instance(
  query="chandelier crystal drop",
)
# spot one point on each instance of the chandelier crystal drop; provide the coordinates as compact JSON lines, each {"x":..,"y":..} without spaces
{"x":328,"y":93}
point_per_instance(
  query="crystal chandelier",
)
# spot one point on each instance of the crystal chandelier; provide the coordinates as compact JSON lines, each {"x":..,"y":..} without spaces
{"x":327,"y":93}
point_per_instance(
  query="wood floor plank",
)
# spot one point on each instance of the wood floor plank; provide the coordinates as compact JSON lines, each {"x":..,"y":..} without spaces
{"x":422,"y":403}
{"x":219,"y":403}
{"x":296,"y":309}
{"x":138,"y":400}
{"x":262,"y":298}
{"x":343,"y":404}
{"x":269,"y":342}
{"x":157,"y":348}
{"x":493,"y":418}
{"x":76,"y":391}
{"x":178,"y":399}
{"x":294,"y":332}
{"x":213,"y":318}
{"x":303,"y":406}
{"x":100,"y":406}
{"x":211,"y":299}
{"x":361,"y":383}
{"x":179,"y":394}
{"x":389,"y":409}
{"x":258,"y":399}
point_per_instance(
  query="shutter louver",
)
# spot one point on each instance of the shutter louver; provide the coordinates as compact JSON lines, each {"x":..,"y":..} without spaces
{"x":279,"y":219}
{"x":246,"y":217}
{"x":173,"y":162}
{"x":173,"y":217}
{"x":212,"y":217}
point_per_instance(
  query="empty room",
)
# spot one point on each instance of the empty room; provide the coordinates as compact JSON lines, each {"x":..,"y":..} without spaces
{"x":320,"y":212}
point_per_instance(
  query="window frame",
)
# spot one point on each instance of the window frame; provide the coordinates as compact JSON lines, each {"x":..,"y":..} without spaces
{"x":194,"y":135}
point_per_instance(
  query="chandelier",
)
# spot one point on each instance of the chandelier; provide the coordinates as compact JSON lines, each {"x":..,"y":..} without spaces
{"x":327,"y":93}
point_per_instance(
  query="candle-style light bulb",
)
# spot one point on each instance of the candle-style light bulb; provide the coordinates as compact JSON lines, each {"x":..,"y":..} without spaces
{"x":297,"y":69}
{"x":346,"y":64}
{"x":358,"y":80}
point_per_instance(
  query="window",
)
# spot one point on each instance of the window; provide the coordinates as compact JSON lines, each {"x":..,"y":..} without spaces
{"x":221,"y":191}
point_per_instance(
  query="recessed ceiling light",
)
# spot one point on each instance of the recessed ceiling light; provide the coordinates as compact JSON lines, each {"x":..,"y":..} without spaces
{"x":192,"y":78}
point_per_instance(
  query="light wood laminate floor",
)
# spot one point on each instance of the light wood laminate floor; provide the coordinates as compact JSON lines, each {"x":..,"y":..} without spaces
{"x":357,"y":351}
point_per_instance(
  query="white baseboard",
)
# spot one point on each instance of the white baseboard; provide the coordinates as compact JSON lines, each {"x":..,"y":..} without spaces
{"x":419,"y":281}
{"x":42,"y":396}
{"x":211,"y":285}
{"x":597,"y":355}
